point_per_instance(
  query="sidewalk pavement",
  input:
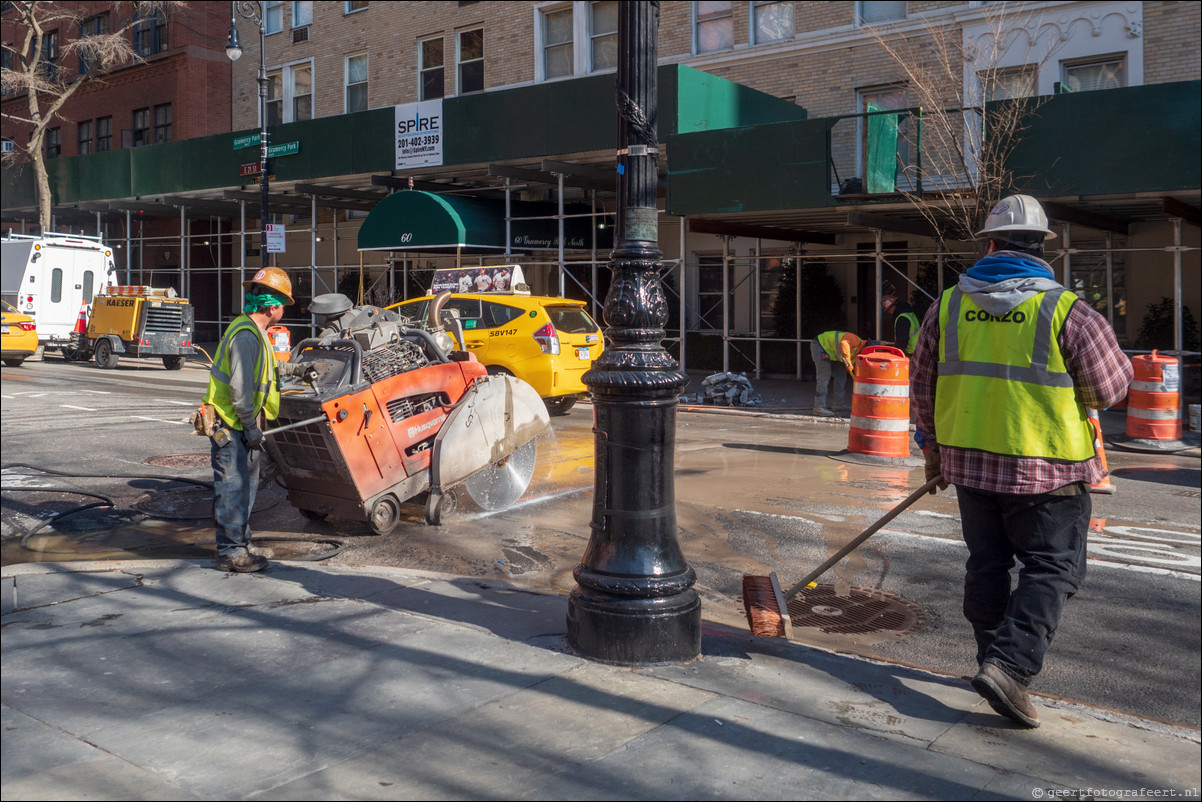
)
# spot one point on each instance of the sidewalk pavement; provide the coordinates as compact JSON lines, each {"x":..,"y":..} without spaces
{"x":171,"y":680}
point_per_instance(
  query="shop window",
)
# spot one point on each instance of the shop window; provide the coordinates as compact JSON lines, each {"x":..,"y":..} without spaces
{"x":356,"y":83}
{"x":431,"y":69}
{"x":872,"y":12}
{"x":150,"y":33}
{"x":471,"y":60}
{"x":162,"y":123}
{"x":84,"y":138}
{"x":772,"y":21}
{"x":104,"y":134}
{"x":713,"y":27}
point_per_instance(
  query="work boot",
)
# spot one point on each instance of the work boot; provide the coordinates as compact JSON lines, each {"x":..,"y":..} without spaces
{"x":823,"y":412}
{"x":244,"y":563}
{"x":1006,"y":695}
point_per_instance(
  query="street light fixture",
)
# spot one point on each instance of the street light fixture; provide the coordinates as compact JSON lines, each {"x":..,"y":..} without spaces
{"x":253,"y":11}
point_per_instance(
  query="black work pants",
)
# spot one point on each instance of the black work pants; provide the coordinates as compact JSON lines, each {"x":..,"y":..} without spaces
{"x":1046,"y":534}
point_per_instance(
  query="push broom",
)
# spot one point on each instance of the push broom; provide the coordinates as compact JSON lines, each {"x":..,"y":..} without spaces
{"x":767,"y":607}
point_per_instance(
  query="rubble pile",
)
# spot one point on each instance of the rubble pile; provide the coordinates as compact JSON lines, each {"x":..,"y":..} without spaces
{"x":726,"y":390}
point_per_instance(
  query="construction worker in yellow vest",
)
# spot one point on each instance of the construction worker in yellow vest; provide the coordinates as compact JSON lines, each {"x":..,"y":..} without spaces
{"x":905,"y":323}
{"x":1006,"y":365}
{"x":834,"y":354}
{"x":244,"y":391}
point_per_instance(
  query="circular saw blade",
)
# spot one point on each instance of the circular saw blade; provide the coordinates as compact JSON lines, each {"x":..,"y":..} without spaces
{"x":501,"y":484}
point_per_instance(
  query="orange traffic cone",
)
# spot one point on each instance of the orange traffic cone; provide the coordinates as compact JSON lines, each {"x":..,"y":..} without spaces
{"x":1104,"y":485}
{"x":81,"y":322}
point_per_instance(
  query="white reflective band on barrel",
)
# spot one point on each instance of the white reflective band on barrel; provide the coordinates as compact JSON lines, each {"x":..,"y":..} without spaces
{"x":883,"y":390}
{"x":1151,"y":414}
{"x":881,"y":424}
{"x":1151,"y":387}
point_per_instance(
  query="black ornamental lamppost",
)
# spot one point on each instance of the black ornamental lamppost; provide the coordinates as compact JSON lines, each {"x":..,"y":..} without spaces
{"x":634,"y":603}
{"x":253,"y":11}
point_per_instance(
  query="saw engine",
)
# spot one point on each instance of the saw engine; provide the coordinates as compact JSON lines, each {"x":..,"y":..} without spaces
{"x":392,"y":410}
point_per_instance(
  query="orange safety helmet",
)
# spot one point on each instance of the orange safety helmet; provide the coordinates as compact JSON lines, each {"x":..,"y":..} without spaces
{"x":888,"y":302}
{"x":273,"y":279}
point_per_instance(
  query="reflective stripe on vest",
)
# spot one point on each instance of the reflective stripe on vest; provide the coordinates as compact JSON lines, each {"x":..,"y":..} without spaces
{"x":267,"y":394}
{"x":912,"y":342}
{"x":1002,"y":383}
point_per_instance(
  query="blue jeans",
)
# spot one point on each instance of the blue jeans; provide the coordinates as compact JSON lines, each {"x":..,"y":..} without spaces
{"x":235,"y":480}
{"x":825,"y":369}
{"x":1047,"y":535}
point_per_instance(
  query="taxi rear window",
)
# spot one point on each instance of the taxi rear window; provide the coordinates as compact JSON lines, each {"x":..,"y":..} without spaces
{"x":572,"y":319}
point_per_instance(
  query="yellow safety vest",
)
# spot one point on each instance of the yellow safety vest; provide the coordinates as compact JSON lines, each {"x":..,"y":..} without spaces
{"x":267,"y":391}
{"x":1002,"y":385}
{"x":911,"y":343}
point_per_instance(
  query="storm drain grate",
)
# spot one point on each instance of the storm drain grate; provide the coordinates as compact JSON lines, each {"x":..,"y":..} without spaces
{"x":861,"y":610}
{"x":180,"y":461}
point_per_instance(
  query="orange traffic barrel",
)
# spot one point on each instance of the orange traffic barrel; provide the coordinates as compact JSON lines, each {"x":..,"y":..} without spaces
{"x":1154,"y":398}
{"x":1104,"y":485}
{"x":281,"y":342}
{"x":880,"y":404}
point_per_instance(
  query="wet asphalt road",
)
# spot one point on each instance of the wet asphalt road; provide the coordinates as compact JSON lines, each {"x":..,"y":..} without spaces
{"x":753,"y":494}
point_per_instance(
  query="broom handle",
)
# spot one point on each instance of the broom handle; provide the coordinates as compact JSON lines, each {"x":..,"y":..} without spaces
{"x":867,"y":533}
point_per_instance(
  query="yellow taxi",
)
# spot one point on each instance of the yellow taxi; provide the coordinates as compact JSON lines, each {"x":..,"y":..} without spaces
{"x":18,"y":337}
{"x":545,"y":341}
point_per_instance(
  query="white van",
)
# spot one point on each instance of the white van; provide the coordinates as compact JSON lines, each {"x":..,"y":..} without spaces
{"x":50,"y":277}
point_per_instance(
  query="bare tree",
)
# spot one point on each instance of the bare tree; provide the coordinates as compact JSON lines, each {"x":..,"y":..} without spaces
{"x":40,"y":73}
{"x":973,"y":96}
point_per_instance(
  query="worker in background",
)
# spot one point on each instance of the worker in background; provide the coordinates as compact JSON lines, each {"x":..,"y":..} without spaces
{"x":834,"y":354}
{"x":1006,"y":364}
{"x":244,"y":391}
{"x":905,"y":323}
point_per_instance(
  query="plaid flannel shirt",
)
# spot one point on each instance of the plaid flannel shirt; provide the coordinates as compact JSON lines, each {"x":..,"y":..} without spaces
{"x":1101,"y":374}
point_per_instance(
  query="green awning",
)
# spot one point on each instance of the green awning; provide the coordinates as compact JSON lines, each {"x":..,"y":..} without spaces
{"x":417,"y":221}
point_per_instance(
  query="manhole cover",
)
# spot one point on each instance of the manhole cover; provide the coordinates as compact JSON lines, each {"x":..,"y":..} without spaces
{"x":861,"y":610}
{"x":180,"y":461}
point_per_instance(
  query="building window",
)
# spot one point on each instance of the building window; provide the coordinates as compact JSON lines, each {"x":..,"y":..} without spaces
{"x":93,"y":26}
{"x":772,"y":21}
{"x":558,"y":53}
{"x":1010,"y":83}
{"x":356,"y":83}
{"x":603,"y":35}
{"x":354,"y":5}
{"x":162,"y":123}
{"x":876,"y":11}
{"x":714,"y":27}
{"x":430,"y":68}
{"x":275,"y":97}
{"x":48,"y":67}
{"x":83,"y":138}
{"x":1109,"y":72}
{"x":302,"y":13}
{"x":54,"y":143}
{"x":104,"y":134}
{"x":141,"y":128}
{"x":884,"y":153}
{"x":471,"y":60}
{"x":150,"y":33}
{"x":274,"y":22}
{"x":302,"y":93}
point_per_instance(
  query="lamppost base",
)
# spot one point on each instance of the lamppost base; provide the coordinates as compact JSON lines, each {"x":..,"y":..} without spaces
{"x":635,"y":631}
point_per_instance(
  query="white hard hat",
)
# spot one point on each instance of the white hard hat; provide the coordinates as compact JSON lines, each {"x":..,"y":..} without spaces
{"x":1016,"y":213}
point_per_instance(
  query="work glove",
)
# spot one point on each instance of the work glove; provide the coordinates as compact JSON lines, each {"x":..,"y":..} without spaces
{"x":309,"y":374}
{"x":933,"y":467}
{"x":253,"y":438}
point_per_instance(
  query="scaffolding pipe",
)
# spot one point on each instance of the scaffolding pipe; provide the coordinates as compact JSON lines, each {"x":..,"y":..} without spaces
{"x":726,"y":304}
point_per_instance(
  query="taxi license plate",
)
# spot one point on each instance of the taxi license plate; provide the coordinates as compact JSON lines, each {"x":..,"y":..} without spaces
{"x":582,"y":353}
